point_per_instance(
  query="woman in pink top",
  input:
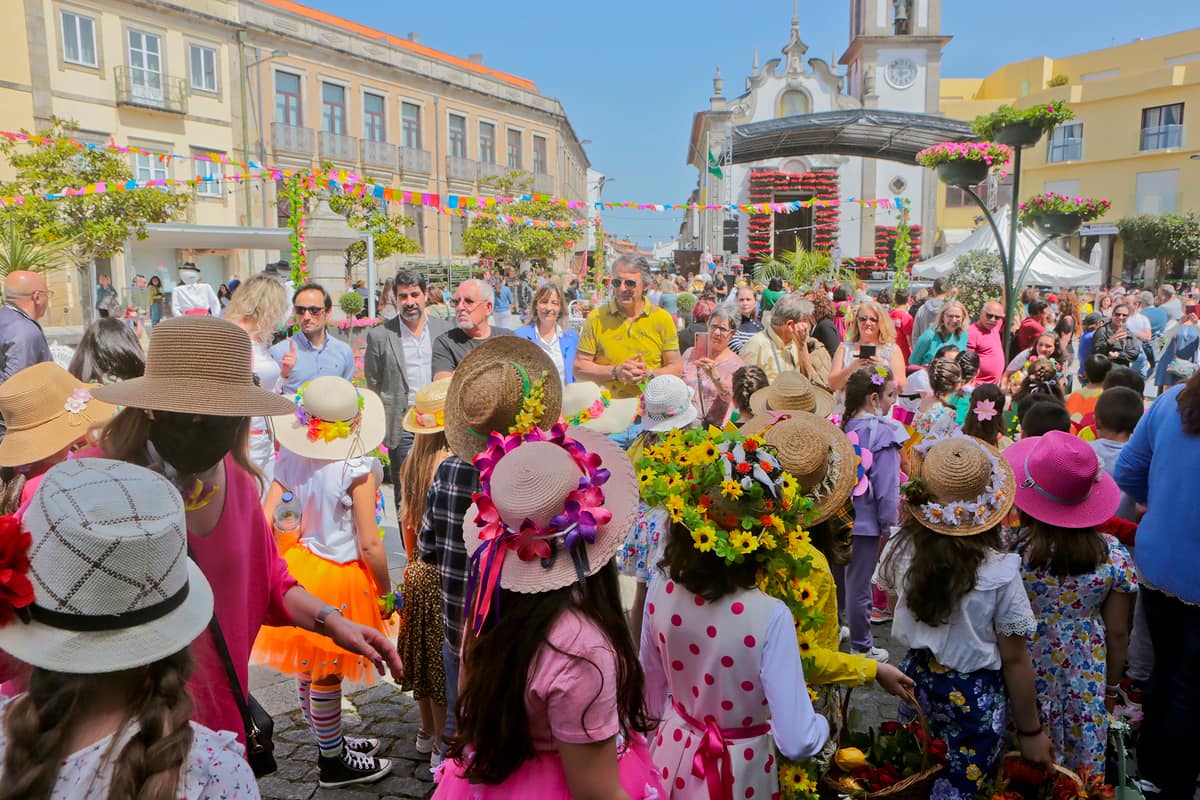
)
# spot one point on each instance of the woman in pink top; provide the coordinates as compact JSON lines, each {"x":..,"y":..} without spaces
{"x":189,"y":419}
{"x":547,"y":628}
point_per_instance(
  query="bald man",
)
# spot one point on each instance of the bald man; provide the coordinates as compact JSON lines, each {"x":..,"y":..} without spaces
{"x":22,"y":342}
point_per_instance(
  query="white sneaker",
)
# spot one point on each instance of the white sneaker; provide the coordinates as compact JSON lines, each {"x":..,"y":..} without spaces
{"x":425,"y":742}
{"x":435,"y":759}
{"x":843,"y":633}
{"x":875,"y":654}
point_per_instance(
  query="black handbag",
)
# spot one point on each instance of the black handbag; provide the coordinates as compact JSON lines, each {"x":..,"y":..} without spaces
{"x":260,"y":728}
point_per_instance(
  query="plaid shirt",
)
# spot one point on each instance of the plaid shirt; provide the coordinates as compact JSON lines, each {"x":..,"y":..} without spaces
{"x":440,"y":539}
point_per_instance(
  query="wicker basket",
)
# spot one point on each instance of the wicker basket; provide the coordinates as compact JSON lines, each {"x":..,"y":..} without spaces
{"x":1058,"y":768}
{"x":915,"y":786}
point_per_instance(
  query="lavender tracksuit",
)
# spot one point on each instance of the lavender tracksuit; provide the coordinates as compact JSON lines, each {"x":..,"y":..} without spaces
{"x":875,"y":511}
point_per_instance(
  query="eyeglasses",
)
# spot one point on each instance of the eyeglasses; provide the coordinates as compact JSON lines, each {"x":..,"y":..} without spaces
{"x":993,"y":316}
{"x":628,"y":283}
{"x":868,"y":319}
{"x":720,"y":330}
{"x":315,"y":311}
{"x":469,"y":302}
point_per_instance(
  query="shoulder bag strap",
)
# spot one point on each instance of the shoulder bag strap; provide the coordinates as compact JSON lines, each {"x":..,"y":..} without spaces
{"x":214,"y":627}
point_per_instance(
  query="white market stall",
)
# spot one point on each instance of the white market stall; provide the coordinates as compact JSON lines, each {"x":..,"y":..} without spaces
{"x":1052,"y":266}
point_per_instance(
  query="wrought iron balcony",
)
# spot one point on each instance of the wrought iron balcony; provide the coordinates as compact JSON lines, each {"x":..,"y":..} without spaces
{"x":337,"y":147}
{"x":462,"y":169}
{"x":378,"y":154}
{"x":292,"y":139}
{"x":413,"y":160}
{"x":145,"y":89}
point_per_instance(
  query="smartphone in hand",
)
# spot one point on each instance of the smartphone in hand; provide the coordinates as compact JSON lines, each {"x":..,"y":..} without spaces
{"x":866,"y":351}
{"x":700,"y":349}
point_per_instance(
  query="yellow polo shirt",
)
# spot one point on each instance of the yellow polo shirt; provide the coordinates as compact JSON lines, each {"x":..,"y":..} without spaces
{"x":611,"y":339}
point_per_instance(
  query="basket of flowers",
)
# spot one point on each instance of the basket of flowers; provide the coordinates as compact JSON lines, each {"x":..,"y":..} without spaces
{"x":965,"y":163}
{"x":1021,"y":127}
{"x":1059,"y":214}
{"x":899,"y":761}
{"x":1018,"y":779}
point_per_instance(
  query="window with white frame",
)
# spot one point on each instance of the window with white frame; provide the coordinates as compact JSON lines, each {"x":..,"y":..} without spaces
{"x":150,"y":167}
{"x":79,"y":39}
{"x":203,"y":63}
{"x":210,"y":171}
{"x":374,"y":118}
{"x":1066,"y":143}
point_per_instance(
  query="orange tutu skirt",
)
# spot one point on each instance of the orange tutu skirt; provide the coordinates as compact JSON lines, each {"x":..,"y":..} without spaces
{"x":296,"y":651}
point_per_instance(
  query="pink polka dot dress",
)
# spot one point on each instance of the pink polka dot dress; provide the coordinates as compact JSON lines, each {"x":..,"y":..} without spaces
{"x":736,"y":691}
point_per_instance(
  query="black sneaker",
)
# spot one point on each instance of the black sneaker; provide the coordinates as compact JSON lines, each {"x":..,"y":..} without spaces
{"x":351,"y":767}
{"x":367,"y":745}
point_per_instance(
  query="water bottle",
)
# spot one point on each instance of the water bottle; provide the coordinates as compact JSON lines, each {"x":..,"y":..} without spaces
{"x":287,"y":522}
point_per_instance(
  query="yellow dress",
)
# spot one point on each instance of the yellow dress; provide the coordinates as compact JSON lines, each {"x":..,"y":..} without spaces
{"x":829,"y":665}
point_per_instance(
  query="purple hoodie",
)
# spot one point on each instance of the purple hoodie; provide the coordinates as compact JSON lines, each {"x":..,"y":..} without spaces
{"x":878,"y":508}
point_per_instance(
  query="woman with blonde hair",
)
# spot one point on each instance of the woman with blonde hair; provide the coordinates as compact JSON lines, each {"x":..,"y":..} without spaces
{"x":871,"y":326}
{"x":257,"y":307}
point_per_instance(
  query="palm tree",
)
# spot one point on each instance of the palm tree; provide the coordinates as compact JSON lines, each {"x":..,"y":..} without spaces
{"x":803,"y":268}
{"x":19,"y":252}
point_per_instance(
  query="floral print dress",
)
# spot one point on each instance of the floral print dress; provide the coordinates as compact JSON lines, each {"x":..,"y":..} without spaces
{"x":936,"y":421}
{"x":1069,"y":653}
{"x":644,"y":543}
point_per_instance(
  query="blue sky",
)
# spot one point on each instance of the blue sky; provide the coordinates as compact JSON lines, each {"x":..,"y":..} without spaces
{"x":631,"y":73}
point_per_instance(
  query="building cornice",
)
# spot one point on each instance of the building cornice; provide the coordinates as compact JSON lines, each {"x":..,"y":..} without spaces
{"x":933,"y":44}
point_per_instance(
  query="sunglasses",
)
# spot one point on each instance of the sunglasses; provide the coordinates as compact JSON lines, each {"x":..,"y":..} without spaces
{"x":1118,"y":314}
{"x":628,"y":283}
{"x":868,"y":319}
{"x":993,"y":316}
{"x":469,"y":302}
{"x":314,"y":311}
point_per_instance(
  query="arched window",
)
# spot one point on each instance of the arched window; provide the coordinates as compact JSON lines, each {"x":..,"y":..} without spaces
{"x":794,"y":102}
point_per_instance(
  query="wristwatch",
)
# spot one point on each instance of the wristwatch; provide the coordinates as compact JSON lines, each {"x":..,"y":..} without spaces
{"x":323,"y":616}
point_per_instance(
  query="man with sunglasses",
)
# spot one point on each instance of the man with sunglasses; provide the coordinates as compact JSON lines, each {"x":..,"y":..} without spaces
{"x":1115,"y":340}
{"x":984,"y":337}
{"x":312,"y":352}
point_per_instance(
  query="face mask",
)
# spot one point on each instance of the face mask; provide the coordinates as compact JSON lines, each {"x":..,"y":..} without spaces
{"x":189,"y":277}
{"x":193,"y":446}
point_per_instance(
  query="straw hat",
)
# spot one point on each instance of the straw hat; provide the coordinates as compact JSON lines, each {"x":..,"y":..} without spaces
{"x":667,"y":404}
{"x":198,"y":365}
{"x":46,"y":409}
{"x":816,"y":453}
{"x":333,"y":420}
{"x":113,"y":587}
{"x":962,"y":486}
{"x":532,"y":483}
{"x":1061,"y":481}
{"x":584,"y":405}
{"x":428,"y":412}
{"x":792,"y":391}
{"x":489,"y":388}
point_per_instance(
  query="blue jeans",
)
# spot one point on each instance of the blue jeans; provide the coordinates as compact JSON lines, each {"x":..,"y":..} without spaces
{"x":450,"y":663}
{"x":396,"y":456}
{"x":1166,"y":747}
{"x":625,"y":438}
{"x":155,"y":313}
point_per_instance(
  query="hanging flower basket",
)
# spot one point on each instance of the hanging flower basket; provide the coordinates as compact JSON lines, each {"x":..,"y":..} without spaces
{"x":965,"y":163}
{"x":999,"y":125}
{"x":1060,"y":215}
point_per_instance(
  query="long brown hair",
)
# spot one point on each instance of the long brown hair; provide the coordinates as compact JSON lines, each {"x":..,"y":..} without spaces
{"x":124,"y":438}
{"x":416,"y":474}
{"x":859,"y":386}
{"x":943,"y":569}
{"x":38,"y":723}
{"x":1060,"y":551}
{"x":989,"y":430}
{"x":493,"y":724}
{"x":704,"y":574}
{"x":1188,"y":403}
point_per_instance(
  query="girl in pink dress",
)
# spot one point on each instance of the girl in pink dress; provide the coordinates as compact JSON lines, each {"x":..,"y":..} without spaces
{"x":722,"y":661}
{"x":551,"y":699}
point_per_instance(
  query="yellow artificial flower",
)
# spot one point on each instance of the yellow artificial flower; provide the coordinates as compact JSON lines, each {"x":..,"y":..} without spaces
{"x":731,"y":488}
{"x":672,"y":481}
{"x":743,"y":541}
{"x":805,"y":592}
{"x":767,"y":541}
{"x":674,"y":506}
{"x":704,"y":538}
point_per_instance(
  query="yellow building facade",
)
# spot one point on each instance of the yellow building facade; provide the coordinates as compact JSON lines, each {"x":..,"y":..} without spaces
{"x":1134,"y":131}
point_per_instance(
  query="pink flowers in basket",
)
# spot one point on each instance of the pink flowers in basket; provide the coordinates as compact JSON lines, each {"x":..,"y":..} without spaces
{"x":996,"y":156}
{"x":1050,"y":203}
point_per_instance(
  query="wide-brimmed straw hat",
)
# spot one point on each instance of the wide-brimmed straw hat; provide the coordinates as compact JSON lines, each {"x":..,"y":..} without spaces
{"x":112,"y":584}
{"x":198,"y":365}
{"x":816,"y":453}
{"x":960,"y":487}
{"x":1061,"y":481}
{"x":491,"y":387}
{"x":333,"y":420}
{"x":792,"y":391}
{"x":428,"y":412}
{"x":667,"y":404}
{"x":586,"y":405}
{"x":46,"y":409}
{"x":551,"y":510}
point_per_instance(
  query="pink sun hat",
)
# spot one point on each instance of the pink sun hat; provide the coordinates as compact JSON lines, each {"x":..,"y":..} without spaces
{"x":1060,"y":481}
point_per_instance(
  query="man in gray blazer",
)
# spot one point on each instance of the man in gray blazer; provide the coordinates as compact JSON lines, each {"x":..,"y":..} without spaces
{"x":399,"y":361}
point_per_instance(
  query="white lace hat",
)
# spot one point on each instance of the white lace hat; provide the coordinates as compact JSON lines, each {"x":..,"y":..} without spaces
{"x":667,"y":404}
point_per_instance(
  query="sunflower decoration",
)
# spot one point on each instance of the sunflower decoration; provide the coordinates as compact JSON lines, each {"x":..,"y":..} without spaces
{"x":798,"y":780}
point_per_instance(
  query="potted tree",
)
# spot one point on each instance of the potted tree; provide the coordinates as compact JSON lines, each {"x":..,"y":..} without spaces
{"x":1021,"y":127}
{"x":965,"y":164}
{"x":1059,"y":215}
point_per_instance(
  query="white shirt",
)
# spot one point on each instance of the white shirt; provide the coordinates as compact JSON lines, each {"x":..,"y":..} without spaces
{"x":262,"y":443}
{"x":1173,"y":308}
{"x":418,"y":358}
{"x":201,"y":296}
{"x":554,"y":350}
{"x":997,"y":606}
{"x":1137,"y":323}
{"x":322,"y":490}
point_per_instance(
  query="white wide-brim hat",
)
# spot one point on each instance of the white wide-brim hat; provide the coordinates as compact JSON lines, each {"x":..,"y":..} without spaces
{"x":323,"y":402}
{"x":667,"y":404}
{"x":584,"y":398}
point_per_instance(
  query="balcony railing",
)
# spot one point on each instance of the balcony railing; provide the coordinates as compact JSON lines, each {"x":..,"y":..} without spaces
{"x":413,"y":160}
{"x":338,"y":147}
{"x":542,"y":183}
{"x":378,"y":154}
{"x":145,"y":89}
{"x":462,"y":169}
{"x":488,"y":169}
{"x":1162,"y":137}
{"x":292,"y":139}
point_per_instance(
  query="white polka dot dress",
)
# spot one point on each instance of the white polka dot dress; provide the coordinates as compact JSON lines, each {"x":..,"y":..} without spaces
{"x":711,"y":654}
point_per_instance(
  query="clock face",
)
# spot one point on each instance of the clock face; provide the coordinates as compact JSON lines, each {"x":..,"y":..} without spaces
{"x":901,"y":73}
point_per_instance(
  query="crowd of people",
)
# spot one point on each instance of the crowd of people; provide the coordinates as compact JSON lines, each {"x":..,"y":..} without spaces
{"x":644,"y":555}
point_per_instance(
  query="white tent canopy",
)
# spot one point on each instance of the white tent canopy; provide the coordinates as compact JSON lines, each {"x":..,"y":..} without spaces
{"x":1053,"y":266}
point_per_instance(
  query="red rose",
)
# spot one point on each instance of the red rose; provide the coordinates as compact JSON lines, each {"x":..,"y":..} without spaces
{"x":937,"y":749}
{"x":751,"y":445}
{"x":744,"y":468}
{"x":1021,"y":771}
{"x":889,"y":727}
{"x":16,"y":591}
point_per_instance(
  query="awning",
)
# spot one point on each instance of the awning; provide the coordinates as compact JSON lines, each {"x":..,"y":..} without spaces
{"x":871,"y":133}
{"x":955,"y":236}
{"x":226,"y":237}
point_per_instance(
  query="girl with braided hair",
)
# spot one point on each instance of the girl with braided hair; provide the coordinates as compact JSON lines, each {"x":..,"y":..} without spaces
{"x":937,"y":415}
